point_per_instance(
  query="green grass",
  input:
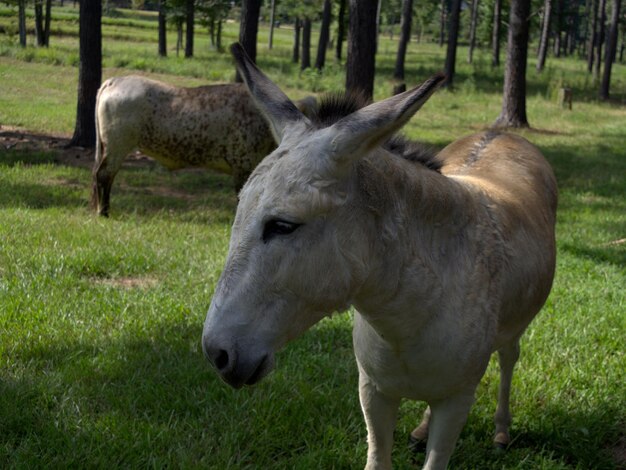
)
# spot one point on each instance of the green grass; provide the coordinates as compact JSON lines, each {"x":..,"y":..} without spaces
{"x":100,"y":320}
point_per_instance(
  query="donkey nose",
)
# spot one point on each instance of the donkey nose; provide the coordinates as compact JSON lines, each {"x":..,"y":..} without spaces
{"x":236,"y":369}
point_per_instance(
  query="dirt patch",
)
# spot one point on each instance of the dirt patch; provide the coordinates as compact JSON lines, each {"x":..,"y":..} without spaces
{"x":127,"y":282}
{"x":18,"y":139}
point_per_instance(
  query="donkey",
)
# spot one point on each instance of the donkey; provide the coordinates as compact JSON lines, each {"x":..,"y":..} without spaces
{"x":216,"y":127}
{"x":443,"y":265}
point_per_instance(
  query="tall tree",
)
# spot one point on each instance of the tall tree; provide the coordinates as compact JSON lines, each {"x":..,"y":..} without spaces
{"x":453,"y":38}
{"x":611,"y":48}
{"x":249,"y":28}
{"x":270,"y":41}
{"x":600,"y":41}
{"x":162,"y":28}
{"x":324,"y":36}
{"x":341,"y":23}
{"x":89,"y":72}
{"x":472,"y":38}
{"x":361,"y":61}
{"x":545,"y":32}
{"x":22,"y":21}
{"x":405,"y":36}
{"x":495,"y":33}
{"x":306,"y":43}
{"x":591,"y":48}
{"x":514,"y":94}
{"x":296,"y":41}
{"x":190,"y":16}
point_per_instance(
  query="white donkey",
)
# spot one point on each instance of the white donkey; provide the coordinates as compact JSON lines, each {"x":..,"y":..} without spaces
{"x":216,"y":127}
{"x":443,"y":267}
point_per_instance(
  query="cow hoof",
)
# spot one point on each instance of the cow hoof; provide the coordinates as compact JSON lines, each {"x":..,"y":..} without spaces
{"x":416,"y":445}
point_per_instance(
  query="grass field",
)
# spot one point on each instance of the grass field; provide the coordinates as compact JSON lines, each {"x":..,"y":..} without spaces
{"x":100,"y":320}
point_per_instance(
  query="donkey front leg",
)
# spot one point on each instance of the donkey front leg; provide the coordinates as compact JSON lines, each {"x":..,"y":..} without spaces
{"x":380,"y":412}
{"x":446,"y":421}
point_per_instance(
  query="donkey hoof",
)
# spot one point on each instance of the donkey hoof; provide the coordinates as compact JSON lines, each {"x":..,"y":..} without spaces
{"x":416,"y":445}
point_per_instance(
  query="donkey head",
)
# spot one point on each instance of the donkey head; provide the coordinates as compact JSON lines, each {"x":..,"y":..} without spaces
{"x":297,"y":251}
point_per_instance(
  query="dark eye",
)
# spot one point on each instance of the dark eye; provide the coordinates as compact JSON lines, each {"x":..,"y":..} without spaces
{"x":277,"y":227}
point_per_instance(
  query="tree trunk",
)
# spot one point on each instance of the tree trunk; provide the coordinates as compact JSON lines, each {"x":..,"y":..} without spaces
{"x":179,"y":36}
{"x":472,"y":38}
{"x":189,"y":29}
{"x":270,"y":42}
{"x":89,"y":72}
{"x":592,"y":35}
{"x":600,"y":42}
{"x":306,"y":44}
{"x":378,"y":9}
{"x":545,"y":32}
{"x":296,"y":41}
{"x":22,"y":22}
{"x":46,"y":24}
{"x":249,"y":28}
{"x":341,"y":22}
{"x":442,"y":22}
{"x":495,"y":33}
{"x":611,"y":48}
{"x":162,"y":29}
{"x":361,"y":61}
{"x":405,"y":36}
{"x":558,"y":23}
{"x":39,"y":38}
{"x":324,"y":36}
{"x":514,"y":94}
{"x":453,"y":37}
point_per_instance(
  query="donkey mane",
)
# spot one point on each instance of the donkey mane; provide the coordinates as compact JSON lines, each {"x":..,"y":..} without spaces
{"x":334,"y":106}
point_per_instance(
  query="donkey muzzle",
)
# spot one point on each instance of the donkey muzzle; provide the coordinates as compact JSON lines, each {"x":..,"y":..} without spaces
{"x":237,"y":366}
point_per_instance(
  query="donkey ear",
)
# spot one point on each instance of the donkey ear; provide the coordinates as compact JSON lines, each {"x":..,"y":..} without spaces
{"x":368,"y":127}
{"x":279,"y":110}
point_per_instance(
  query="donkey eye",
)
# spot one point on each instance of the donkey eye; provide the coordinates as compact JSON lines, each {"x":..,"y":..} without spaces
{"x":277,"y":227}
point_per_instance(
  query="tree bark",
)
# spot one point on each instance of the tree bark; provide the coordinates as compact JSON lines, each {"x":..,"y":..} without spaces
{"x":453,"y":37}
{"x":405,"y":36}
{"x":162,"y":29}
{"x":189,"y":29}
{"x":22,"y":22}
{"x":361,"y":61}
{"x":611,"y":49}
{"x":545,"y":32}
{"x":39,"y":38}
{"x":495,"y":33}
{"x":89,"y":72}
{"x":324,"y":36}
{"x":600,"y":42}
{"x":514,"y":94}
{"x":46,"y":24}
{"x":341,"y":22}
{"x":442,"y":22}
{"x":270,"y":42}
{"x":592,"y":35}
{"x":472,"y":38}
{"x":306,"y":44}
{"x":296,"y":41}
{"x":249,"y":28}
{"x":218,"y":41}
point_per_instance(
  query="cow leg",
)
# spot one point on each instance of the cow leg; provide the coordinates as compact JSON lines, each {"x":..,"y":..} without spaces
{"x":380,"y":412}
{"x":446,"y":421}
{"x":507,"y":357}
{"x":419,"y":435}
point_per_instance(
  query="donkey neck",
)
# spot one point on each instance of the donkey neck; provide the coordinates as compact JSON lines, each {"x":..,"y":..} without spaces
{"x":416,"y":223}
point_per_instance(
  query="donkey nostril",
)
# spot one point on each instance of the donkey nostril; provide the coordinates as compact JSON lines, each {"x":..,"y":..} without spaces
{"x":221,"y":361}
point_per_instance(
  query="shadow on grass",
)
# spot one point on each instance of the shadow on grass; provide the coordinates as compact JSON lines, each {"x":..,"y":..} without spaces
{"x":150,"y":398}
